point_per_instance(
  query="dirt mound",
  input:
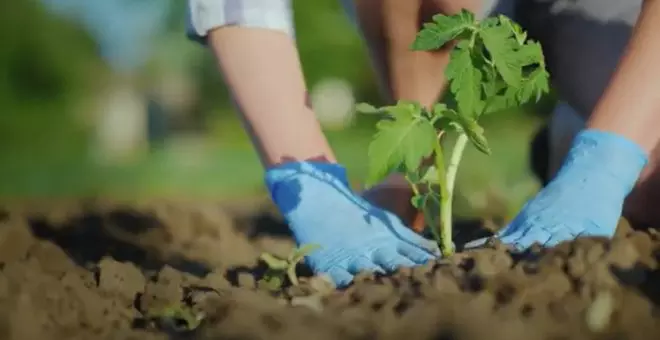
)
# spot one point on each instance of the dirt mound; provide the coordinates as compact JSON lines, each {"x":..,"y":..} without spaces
{"x":103,"y":270}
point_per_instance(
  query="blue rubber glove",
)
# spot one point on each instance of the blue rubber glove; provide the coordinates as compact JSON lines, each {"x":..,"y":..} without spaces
{"x":320,"y":208}
{"x":586,"y":196}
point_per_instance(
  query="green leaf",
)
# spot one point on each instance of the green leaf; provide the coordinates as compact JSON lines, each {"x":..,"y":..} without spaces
{"x":502,"y":48}
{"x":439,"y":109}
{"x":298,"y":254}
{"x":417,"y":201}
{"x":476,"y":135}
{"x":443,"y":29}
{"x":534,"y":86}
{"x":429,"y":202}
{"x":444,"y":120}
{"x":472,"y":129}
{"x":500,"y":103}
{"x":405,"y":140}
{"x":423,"y":175}
{"x":516,"y":29}
{"x":465,"y":79}
{"x":291,"y":273}
{"x":529,"y":54}
{"x":430,"y":175}
{"x":273,"y":279}
{"x":177,"y":317}
{"x":274,"y":262}
{"x":366,"y":108}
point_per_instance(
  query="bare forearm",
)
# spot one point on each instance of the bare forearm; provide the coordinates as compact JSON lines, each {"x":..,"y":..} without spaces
{"x":413,"y":75}
{"x":262,"y":69}
{"x":389,"y":28}
{"x":630,"y":105}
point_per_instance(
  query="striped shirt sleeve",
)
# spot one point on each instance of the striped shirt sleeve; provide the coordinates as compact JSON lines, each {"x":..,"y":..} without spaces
{"x":205,"y":15}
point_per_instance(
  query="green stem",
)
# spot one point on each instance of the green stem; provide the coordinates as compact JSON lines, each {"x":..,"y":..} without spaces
{"x":447,"y":245}
{"x":413,"y":185}
{"x":431,"y":221}
{"x":441,"y":181}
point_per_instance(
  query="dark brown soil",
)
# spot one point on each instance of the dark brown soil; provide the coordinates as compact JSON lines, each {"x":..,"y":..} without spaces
{"x":103,"y":270}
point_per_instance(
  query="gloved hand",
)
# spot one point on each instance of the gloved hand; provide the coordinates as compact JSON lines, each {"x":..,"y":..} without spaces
{"x":586,"y":196}
{"x":320,"y":208}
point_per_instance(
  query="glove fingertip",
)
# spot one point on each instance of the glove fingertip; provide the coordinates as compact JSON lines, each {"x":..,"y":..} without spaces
{"x":415,"y":254}
{"x":476,"y":243}
{"x":391,"y":261}
{"x":341,"y":277}
{"x":419,"y":241}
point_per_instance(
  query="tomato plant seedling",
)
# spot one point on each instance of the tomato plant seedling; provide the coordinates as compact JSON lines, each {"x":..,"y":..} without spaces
{"x":279,"y":269}
{"x":492,"y":67}
{"x":179,"y":318}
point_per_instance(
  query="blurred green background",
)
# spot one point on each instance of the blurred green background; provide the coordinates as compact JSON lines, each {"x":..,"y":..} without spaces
{"x":109,"y":98}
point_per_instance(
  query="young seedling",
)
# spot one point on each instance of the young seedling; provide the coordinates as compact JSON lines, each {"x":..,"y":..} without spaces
{"x":279,"y":269}
{"x":492,"y":67}
{"x":178,"y":318}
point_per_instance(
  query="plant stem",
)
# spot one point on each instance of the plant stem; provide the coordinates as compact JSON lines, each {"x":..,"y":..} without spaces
{"x":447,"y":245}
{"x":441,"y":182}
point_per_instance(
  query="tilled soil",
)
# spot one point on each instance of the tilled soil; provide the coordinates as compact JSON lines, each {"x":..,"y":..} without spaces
{"x":164,"y":270}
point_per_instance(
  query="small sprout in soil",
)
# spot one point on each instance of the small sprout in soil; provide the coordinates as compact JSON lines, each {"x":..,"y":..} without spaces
{"x":493,"y":67}
{"x":178,"y":318}
{"x":279,"y":269}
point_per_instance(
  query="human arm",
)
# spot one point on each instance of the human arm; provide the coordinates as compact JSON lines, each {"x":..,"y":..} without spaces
{"x":253,"y":42}
{"x":634,"y":91}
{"x":270,"y":91}
{"x":389,"y":27}
{"x":261,"y":66}
{"x":630,"y":104}
{"x":607,"y":158}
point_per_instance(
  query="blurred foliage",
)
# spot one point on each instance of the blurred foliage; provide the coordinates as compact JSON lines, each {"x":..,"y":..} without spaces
{"x":48,"y":65}
{"x":52,"y":75}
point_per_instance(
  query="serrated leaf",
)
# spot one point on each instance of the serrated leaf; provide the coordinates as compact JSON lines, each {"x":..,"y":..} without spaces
{"x":534,"y":86}
{"x":499,"y":103}
{"x":439,"y":109}
{"x":366,"y":108}
{"x":444,"y":119}
{"x":465,"y":79}
{"x":299,"y":253}
{"x":403,"y":109}
{"x":502,"y":48}
{"x":516,"y":29}
{"x":530,"y":53}
{"x":443,"y":29}
{"x":405,"y":140}
{"x":273,"y":262}
{"x":504,"y":101}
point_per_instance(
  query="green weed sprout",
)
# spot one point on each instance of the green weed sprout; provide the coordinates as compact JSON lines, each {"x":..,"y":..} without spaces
{"x":492,"y":67}
{"x":279,"y":269}
{"x":179,"y":318}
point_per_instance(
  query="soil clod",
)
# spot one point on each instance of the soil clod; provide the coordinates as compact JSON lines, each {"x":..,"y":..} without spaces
{"x":100,"y":270}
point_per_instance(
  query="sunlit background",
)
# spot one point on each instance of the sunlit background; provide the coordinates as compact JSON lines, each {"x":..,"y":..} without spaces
{"x":107,"y":98}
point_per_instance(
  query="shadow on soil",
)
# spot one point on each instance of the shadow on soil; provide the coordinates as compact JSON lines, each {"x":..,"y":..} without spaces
{"x":89,"y":237}
{"x":190,"y":270}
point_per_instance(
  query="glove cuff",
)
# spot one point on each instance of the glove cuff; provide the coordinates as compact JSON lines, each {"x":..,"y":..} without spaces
{"x":287,"y":177}
{"x":607,"y":156}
